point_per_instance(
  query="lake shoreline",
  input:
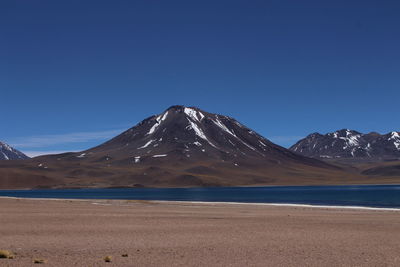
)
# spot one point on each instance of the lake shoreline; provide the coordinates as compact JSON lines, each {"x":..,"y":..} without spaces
{"x":218,"y":203}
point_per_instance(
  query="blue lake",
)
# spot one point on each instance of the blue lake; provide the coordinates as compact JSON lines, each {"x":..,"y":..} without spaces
{"x":387,"y":196}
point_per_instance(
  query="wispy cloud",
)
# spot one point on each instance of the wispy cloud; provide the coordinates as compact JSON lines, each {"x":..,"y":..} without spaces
{"x":35,"y":153}
{"x":43,"y":141}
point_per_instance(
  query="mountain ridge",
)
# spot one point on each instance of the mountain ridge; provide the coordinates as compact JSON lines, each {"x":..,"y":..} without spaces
{"x":347,"y":143}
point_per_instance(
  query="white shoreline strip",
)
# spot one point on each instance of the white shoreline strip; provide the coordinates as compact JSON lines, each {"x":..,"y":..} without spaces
{"x":286,"y":205}
{"x":215,"y":203}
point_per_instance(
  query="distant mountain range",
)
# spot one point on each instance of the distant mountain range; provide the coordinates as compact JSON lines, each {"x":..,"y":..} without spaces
{"x":183,"y":146}
{"x":349,"y":144}
{"x":9,"y":153}
{"x":186,"y":147}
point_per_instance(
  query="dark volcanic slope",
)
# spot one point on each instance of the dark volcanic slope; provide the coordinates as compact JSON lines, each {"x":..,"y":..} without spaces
{"x":349,"y":144}
{"x":9,"y":153}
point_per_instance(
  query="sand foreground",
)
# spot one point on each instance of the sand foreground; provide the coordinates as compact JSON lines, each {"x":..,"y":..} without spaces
{"x":83,"y":232}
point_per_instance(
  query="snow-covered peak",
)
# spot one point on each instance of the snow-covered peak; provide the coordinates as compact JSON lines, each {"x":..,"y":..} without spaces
{"x":188,"y":131}
{"x":193,"y":114}
{"x":347,"y":143}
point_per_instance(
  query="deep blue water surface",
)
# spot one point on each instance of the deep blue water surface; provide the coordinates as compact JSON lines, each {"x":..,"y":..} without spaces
{"x":364,"y":195}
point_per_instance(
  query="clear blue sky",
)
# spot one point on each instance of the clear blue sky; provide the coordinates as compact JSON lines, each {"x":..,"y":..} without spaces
{"x":73,"y":73}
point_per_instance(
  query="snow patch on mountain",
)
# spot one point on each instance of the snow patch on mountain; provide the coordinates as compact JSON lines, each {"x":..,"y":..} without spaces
{"x":159,"y":156}
{"x":5,"y":156}
{"x":199,"y":132}
{"x":396,"y":139}
{"x":158,"y":122}
{"x":223,"y":127}
{"x":147,"y":144}
{"x":193,"y":114}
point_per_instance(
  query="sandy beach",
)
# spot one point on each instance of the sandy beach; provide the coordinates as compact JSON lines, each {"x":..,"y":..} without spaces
{"x":83,"y":232}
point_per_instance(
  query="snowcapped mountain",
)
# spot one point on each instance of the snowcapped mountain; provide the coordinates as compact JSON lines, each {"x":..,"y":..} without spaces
{"x":9,"y":153}
{"x":349,"y":144}
{"x":184,"y":134}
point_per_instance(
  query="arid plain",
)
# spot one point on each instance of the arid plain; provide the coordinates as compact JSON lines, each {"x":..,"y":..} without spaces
{"x":83,"y":232}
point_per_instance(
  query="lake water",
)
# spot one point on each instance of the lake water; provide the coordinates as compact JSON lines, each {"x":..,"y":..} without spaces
{"x":387,"y":196}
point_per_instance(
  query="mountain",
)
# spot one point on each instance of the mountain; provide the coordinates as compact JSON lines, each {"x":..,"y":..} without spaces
{"x":187,"y":134}
{"x":9,"y":153}
{"x":181,"y":147}
{"x":349,"y":144}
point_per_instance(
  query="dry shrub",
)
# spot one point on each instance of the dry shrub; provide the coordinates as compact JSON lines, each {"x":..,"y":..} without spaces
{"x":5,"y":254}
{"x":39,"y":261}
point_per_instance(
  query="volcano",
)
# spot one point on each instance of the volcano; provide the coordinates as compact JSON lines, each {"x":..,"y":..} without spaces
{"x":188,"y":134}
